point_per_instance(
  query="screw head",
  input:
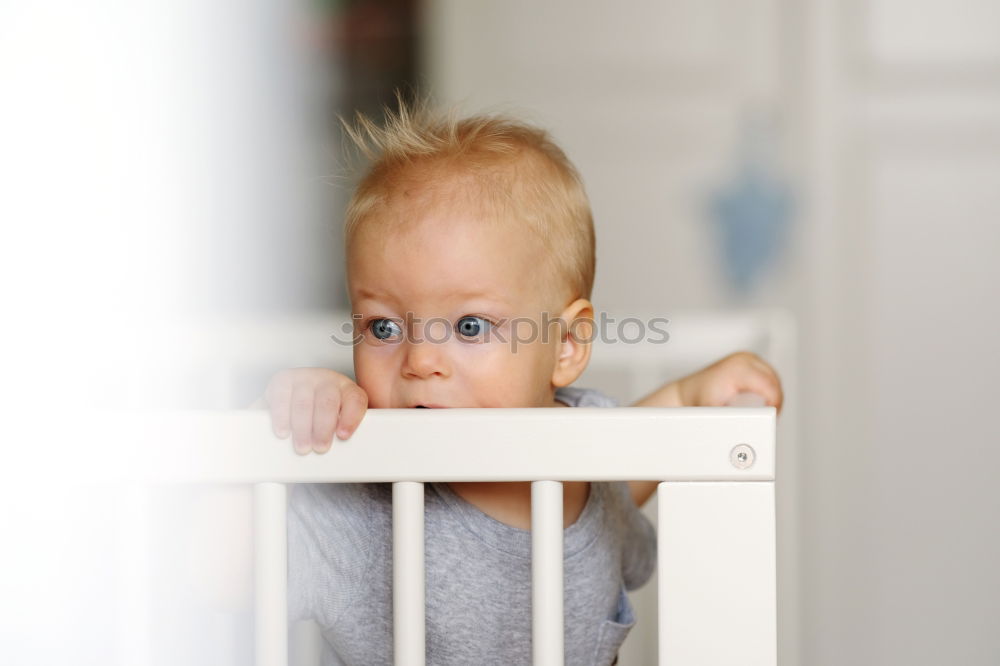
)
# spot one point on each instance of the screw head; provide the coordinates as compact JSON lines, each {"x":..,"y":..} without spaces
{"x":742,"y":456}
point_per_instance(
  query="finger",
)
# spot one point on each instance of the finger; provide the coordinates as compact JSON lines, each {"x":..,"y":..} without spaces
{"x":302,"y":418}
{"x":325,"y":412}
{"x":775,"y":395}
{"x":764,"y":385}
{"x":279,"y":396}
{"x":352,"y":410}
{"x":746,"y":399}
{"x":764,"y":367}
{"x":759,"y":377}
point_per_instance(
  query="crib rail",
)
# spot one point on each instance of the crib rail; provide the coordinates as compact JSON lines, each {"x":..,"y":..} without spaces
{"x":716,"y":468}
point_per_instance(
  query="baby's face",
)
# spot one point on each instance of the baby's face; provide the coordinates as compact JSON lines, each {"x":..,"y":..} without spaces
{"x":438,"y":301}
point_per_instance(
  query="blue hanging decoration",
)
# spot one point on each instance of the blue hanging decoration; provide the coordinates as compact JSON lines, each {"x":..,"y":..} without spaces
{"x":752,"y":213}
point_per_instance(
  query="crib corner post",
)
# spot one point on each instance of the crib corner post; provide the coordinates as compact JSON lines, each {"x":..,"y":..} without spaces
{"x":717,"y":573}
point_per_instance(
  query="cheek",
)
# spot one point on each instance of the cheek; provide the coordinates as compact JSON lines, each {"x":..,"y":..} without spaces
{"x":502,"y":376}
{"x":373,"y":371}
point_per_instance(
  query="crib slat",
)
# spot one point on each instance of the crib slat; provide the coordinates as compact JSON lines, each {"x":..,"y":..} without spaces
{"x":547,"y":573}
{"x":716,"y":573}
{"x":408,"y":573}
{"x":270,"y":574}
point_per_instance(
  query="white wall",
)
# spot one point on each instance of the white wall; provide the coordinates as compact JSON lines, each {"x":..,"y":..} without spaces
{"x":900,"y":532}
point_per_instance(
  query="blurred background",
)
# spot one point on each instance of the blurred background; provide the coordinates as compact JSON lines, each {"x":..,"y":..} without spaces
{"x":170,"y":165}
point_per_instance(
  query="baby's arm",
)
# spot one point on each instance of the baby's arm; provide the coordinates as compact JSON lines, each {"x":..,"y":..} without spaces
{"x":714,"y":386}
{"x":719,"y":383}
{"x":311,"y":404}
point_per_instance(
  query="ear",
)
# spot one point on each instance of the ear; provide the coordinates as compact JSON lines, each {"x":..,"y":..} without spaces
{"x":576,"y":331}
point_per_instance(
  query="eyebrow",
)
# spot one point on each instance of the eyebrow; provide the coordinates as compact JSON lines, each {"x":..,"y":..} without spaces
{"x":464,"y":295}
{"x":364,"y":293}
{"x":470,"y":295}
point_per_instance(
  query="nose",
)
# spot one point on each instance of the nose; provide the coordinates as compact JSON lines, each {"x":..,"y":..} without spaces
{"x":425,"y":357}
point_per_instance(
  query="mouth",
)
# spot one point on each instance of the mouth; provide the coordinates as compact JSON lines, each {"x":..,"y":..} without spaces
{"x":429,"y":407}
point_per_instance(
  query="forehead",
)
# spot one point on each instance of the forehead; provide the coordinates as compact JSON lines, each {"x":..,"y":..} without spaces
{"x":444,"y":253}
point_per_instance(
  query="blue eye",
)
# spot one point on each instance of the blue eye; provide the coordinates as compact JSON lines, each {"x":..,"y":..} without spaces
{"x":471,"y":326}
{"x":383,"y":329}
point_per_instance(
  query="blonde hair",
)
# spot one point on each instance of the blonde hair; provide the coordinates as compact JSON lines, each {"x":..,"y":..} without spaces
{"x":513,"y":169}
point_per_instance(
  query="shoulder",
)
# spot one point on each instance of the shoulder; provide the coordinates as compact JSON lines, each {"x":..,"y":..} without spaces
{"x":618,"y":504}
{"x":584,"y":397}
{"x":635,"y":533}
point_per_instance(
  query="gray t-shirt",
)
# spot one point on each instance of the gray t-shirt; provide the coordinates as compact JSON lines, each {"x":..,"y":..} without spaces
{"x":478,"y":572}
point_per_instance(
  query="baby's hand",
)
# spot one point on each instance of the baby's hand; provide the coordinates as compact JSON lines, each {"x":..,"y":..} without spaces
{"x":312,"y":403}
{"x":721,"y":382}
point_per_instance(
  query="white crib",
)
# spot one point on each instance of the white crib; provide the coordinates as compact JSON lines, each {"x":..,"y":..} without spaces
{"x":716,"y":581}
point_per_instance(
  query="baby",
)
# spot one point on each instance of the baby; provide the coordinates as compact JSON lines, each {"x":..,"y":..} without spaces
{"x":470,"y":263}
